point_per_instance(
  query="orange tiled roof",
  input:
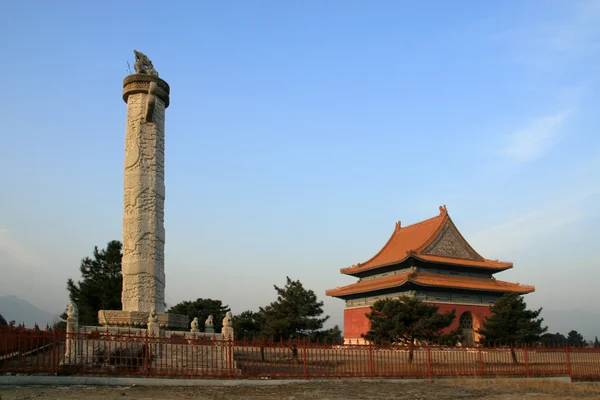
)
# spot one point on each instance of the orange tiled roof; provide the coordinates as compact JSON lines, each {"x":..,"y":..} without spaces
{"x":494,"y":264}
{"x":430,"y":279}
{"x":412,"y":240}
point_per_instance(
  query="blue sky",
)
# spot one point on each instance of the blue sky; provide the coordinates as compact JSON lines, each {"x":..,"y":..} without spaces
{"x":299,"y":133}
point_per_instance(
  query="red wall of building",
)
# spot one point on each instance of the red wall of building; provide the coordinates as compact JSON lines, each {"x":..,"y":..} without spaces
{"x":355,"y":322}
{"x":479,"y":314}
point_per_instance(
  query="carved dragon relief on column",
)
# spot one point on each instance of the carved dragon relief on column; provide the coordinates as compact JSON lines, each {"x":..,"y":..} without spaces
{"x":143,"y":215}
{"x":144,"y":187}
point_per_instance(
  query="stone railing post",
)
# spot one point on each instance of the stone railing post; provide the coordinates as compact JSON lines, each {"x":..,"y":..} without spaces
{"x":72,"y":338}
{"x":228,"y":337}
{"x":154,"y":332}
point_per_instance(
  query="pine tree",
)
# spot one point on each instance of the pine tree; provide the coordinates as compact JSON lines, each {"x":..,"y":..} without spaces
{"x":511,"y":323}
{"x":202,"y":308}
{"x":554,"y":339}
{"x":295,"y":313}
{"x":405,"y":321}
{"x":331,"y":335}
{"x":576,"y":339}
{"x":247,"y":325}
{"x":101,"y":284}
{"x":596,"y":343}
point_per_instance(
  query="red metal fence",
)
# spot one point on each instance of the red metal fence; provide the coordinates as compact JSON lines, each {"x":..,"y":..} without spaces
{"x":134,"y":353}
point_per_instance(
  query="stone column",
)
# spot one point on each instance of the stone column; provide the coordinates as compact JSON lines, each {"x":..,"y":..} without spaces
{"x":147,"y":97}
{"x":143,"y":263}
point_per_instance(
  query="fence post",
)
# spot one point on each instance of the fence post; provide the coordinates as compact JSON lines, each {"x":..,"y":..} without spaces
{"x":304,"y":361}
{"x":526,"y":357}
{"x":371,"y":360}
{"x":480,"y":361}
{"x":147,"y":358}
{"x":230,"y":358}
{"x":53,"y":354}
{"x":428,"y":361}
{"x":568,"y":354}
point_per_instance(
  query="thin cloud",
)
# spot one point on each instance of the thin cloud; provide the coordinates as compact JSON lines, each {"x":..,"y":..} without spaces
{"x":533,"y":141}
{"x":524,"y":230}
{"x":571,"y":202}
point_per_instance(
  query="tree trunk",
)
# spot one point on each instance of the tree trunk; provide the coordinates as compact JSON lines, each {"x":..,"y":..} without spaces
{"x":262,"y":353}
{"x":411,"y":349}
{"x":514,"y":355}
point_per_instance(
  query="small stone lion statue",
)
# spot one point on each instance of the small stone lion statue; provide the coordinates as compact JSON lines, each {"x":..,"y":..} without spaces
{"x":227,"y":320}
{"x":72,"y":310}
{"x":209,"y":322}
{"x":152,"y":317}
{"x":195,"y":324}
{"x":143,"y":65}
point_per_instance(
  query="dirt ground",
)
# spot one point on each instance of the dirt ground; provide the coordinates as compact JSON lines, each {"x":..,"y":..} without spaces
{"x":325,"y":390}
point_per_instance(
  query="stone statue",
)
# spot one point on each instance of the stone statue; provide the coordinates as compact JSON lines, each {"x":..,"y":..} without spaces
{"x":152,"y":317}
{"x":195,"y":325}
{"x":143,"y":65}
{"x":208,"y":325}
{"x":227,"y":320}
{"x":227,"y":330}
{"x":72,"y":310}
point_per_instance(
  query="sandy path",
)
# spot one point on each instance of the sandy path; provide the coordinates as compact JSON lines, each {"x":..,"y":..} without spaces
{"x":329,"y":390}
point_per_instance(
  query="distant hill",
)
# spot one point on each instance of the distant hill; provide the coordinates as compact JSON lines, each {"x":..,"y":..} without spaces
{"x":19,"y":310}
{"x":586,"y":323}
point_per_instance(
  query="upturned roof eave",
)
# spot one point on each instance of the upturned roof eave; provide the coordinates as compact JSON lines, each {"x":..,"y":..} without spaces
{"x":354,"y":271}
{"x":443,"y":216}
{"x":524,"y":289}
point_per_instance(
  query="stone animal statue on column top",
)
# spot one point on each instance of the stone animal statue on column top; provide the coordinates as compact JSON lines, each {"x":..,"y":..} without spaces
{"x":152,"y":316}
{"x":143,"y":65}
{"x":72,"y":310}
{"x":227,"y":320}
{"x":209,"y":322}
{"x":194,"y":325}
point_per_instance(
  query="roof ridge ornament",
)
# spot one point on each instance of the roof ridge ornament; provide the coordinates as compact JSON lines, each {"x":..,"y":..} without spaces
{"x":443,"y":209}
{"x":398,"y":225}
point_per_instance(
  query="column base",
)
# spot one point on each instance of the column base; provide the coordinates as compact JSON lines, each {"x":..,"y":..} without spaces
{"x":139,"y":319}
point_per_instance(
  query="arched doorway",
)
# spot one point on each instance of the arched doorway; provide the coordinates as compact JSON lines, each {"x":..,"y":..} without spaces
{"x":466,"y":328}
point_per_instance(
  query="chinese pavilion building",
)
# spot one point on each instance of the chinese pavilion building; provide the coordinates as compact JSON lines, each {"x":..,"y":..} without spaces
{"x":431,"y":261}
